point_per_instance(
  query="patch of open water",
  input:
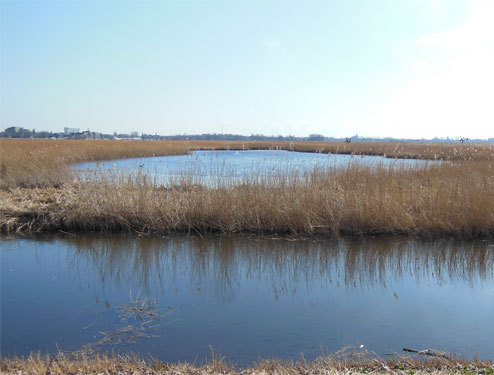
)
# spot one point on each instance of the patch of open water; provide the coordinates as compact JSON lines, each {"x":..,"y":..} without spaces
{"x":220,"y":167}
{"x":246,"y":298}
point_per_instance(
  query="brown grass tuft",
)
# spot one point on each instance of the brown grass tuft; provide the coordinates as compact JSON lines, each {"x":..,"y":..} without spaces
{"x":36,"y":364}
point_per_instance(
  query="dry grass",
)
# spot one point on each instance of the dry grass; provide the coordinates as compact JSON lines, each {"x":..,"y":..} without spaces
{"x":41,"y":163}
{"x":329,"y":365}
{"x":454,"y":199}
{"x":441,"y":200}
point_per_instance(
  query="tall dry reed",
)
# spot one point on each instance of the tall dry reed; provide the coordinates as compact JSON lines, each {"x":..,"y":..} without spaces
{"x":438,"y":200}
{"x":41,"y":163}
{"x":432,"y":200}
{"x":37,"y":162}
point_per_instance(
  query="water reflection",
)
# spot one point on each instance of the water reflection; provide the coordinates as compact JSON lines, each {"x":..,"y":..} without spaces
{"x":249,"y":298}
{"x":289,"y":267}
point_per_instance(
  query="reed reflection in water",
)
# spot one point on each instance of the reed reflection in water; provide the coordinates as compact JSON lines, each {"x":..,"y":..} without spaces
{"x":249,"y":298}
{"x":287,"y":266}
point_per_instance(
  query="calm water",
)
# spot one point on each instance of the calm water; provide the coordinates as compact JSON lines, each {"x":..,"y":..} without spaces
{"x":246,"y":298}
{"x":211,"y":167}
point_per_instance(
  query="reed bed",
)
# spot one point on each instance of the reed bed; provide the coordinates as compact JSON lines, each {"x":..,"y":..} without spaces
{"x":430,"y":201}
{"x":36,"y":364}
{"x":427,"y":200}
{"x":41,"y":163}
{"x":41,"y":194}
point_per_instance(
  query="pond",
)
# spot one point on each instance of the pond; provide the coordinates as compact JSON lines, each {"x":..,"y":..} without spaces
{"x":176,"y":298}
{"x":226,"y":167}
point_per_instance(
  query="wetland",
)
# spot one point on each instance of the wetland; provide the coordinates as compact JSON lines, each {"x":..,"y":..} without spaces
{"x":198,"y":251}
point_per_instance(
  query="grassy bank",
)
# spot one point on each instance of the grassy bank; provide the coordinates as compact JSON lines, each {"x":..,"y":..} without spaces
{"x":453,"y":199}
{"x":122,"y":365}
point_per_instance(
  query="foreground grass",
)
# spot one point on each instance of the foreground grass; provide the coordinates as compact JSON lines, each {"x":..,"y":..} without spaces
{"x":330,"y":365}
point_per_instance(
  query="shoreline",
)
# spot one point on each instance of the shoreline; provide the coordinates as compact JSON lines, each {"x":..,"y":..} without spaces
{"x":350,"y":363}
{"x":70,"y":211}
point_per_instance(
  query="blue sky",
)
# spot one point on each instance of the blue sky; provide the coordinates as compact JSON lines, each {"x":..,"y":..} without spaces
{"x":418,"y":68}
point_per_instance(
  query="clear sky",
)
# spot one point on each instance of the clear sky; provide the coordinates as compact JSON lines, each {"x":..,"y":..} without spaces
{"x":401,"y":68}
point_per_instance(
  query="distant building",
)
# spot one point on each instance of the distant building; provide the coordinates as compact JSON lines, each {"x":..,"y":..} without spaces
{"x":134,"y":134}
{"x":13,"y":130}
{"x":68,"y":131}
{"x":17,"y":132}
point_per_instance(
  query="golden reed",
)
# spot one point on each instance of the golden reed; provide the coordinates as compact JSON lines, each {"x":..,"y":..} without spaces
{"x":450,"y":199}
{"x":37,"y":162}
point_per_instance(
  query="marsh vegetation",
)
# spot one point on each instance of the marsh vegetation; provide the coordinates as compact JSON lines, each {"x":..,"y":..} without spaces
{"x":41,"y":194}
{"x":39,"y":163}
{"x":341,"y":364}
